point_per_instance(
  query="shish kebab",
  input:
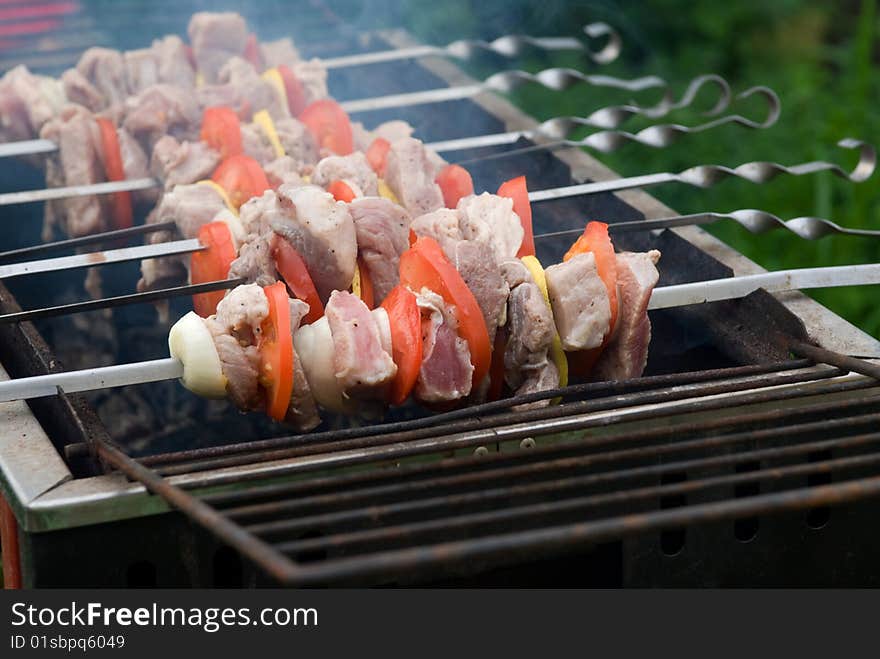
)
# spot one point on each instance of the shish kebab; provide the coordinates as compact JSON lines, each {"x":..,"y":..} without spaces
{"x":451,"y":185}
{"x":353,"y":357}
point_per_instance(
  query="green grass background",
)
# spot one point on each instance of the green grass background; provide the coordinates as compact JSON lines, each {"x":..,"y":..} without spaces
{"x":819,"y":56}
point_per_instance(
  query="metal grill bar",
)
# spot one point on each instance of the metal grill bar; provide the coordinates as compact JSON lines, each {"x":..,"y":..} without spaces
{"x":590,"y":389}
{"x":562,"y":418}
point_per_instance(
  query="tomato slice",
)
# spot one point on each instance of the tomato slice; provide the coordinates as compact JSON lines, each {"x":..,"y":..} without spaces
{"x":367,"y":293}
{"x":425,"y":265}
{"x":120,"y":202}
{"x":221,"y":130}
{"x":296,"y":94}
{"x":341,"y":191}
{"x":211,"y":264}
{"x":496,"y":370}
{"x":406,"y":341}
{"x":293,"y":271}
{"x":377,"y":155}
{"x":595,"y":239}
{"x":276,"y":352}
{"x":330,"y":126}
{"x":455,"y":182}
{"x":242,"y":178}
{"x":252,"y":52}
{"x":517,"y":190}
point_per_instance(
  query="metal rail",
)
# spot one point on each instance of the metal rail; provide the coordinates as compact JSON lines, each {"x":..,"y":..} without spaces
{"x":557,"y":497}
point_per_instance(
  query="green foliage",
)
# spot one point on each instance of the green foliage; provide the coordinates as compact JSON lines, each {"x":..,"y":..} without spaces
{"x":819,"y":56}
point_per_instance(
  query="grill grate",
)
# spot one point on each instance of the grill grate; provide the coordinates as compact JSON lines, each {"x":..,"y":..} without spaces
{"x":624,"y":459}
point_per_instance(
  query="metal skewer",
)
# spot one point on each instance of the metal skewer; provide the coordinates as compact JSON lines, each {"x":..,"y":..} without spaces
{"x":556,"y":79}
{"x":508,"y":46}
{"x":701,"y":176}
{"x":662,"y":298}
{"x":658,"y":136}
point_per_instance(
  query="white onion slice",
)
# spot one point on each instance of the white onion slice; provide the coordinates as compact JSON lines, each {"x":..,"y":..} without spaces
{"x":191,"y":342}
{"x":314,"y":347}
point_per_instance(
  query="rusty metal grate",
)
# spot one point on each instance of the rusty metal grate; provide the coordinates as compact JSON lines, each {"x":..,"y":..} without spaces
{"x":623,"y":459}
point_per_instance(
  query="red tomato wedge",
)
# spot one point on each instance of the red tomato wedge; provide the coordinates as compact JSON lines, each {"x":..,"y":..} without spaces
{"x":120,"y":202}
{"x":221,"y":130}
{"x":455,"y":182}
{"x":242,"y":178}
{"x":516,"y":189}
{"x":425,"y":265}
{"x":406,"y":341}
{"x":296,"y":94}
{"x":211,"y":264}
{"x":329,"y":125}
{"x":377,"y":155}
{"x":595,"y":239}
{"x":341,"y":191}
{"x":293,"y":271}
{"x":496,"y":370}
{"x":367,"y":292}
{"x":276,"y":352}
{"x":252,"y":52}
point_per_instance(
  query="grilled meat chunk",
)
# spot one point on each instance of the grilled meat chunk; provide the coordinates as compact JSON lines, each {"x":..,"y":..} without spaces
{"x":216,"y":37}
{"x":189,"y":206}
{"x":626,"y":354}
{"x":27,"y":102}
{"x":382,"y":229}
{"x":298,"y":142}
{"x":162,"y":110}
{"x":580,"y":302}
{"x":489,"y":219}
{"x":322,"y":232}
{"x":236,"y":329}
{"x":361,"y":363}
{"x":302,"y":412}
{"x":260,"y":94}
{"x":178,"y":163}
{"x":410,"y":174}
{"x":276,"y":53}
{"x":479,"y":270}
{"x":283,"y":170}
{"x":390,"y":130}
{"x":446,"y":370}
{"x":166,"y":61}
{"x":104,"y":69}
{"x":530,"y":335}
{"x":353,"y":168}
{"x":256,"y":145}
{"x":78,"y":161}
{"x":441,"y":225}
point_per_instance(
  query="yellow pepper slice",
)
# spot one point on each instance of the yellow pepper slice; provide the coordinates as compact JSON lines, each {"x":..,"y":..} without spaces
{"x":385,"y":191}
{"x":264,"y":121}
{"x":220,"y":191}
{"x":273,"y":77}
{"x":557,"y":354}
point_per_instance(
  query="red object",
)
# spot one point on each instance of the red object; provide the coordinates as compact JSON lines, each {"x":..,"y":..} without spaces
{"x":367,"y":292}
{"x":242,"y":178}
{"x":276,"y":352}
{"x":406,"y":341}
{"x":425,"y":265}
{"x":517,"y":190}
{"x":296,"y":95}
{"x":252,"y":52}
{"x":595,"y":239}
{"x":120,"y":202}
{"x":330,"y":126}
{"x":221,"y":130}
{"x":293,"y":271}
{"x":377,"y":155}
{"x":211,"y":264}
{"x":455,"y":182}
{"x":9,"y":544}
{"x":341,"y":191}
{"x":496,"y":370}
